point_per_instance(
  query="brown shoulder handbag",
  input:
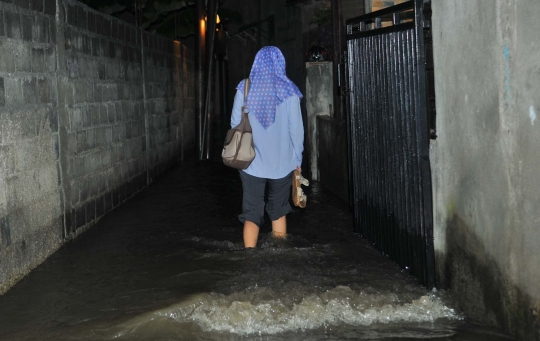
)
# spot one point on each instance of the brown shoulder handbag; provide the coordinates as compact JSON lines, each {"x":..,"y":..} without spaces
{"x":238,"y":150}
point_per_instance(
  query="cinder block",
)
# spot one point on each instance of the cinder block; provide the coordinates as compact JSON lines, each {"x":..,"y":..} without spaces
{"x":128,"y":131}
{"x":74,"y":192}
{"x":77,"y":165}
{"x":55,"y":145}
{"x":81,"y":141}
{"x":116,"y":133}
{"x":27,"y":23}
{"x":52,"y":29}
{"x":106,"y":159}
{"x":7,"y":63}
{"x":121,"y":31}
{"x":44,"y":90}
{"x":72,"y":143}
{"x":86,"y":44}
{"x":90,"y":139}
{"x":116,"y":197}
{"x":72,"y":14}
{"x":87,"y":119}
{"x":114,"y":29}
{"x":101,"y":69}
{"x":40,"y":32}
{"x":100,"y":207}
{"x":122,"y":191}
{"x":91,"y":22}
{"x":49,"y":59}
{"x":112,"y":49}
{"x":2,"y":93}
{"x":104,"y":48}
{"x":38,"y":58}
{"x":80,"y":216}
{"x":23,"y":57}
{"x":102,"y":183}
{"x":120,"y":114}
{"x":76,"y":118}
{"x":82,"y":20}
{"x":50,"y":7}
{"x":22,"y":3}
{"x":65,"y":92}
{"x":5,"y":232}
{"x":13,"y":92}
{"x":2,"y":32}
{"x":13,"y":25}
{"x":92,"y":162}
{"x":108,"y":201}
{"x":124,"y":55}
{"x":37,"y":5}
{"x":98,"y":93}
{"x":72,"y":66}
{"x":106,"y":31}
{"x":111,"y":112}
{"x":103,"y":118}
{"x":92,"y":187}
{"x":81,"y":91}
{"x":94,"y":115}
{"x":100,"y":137}
{"x":113,"y":73}
{"x":29,"y":87}
{"x":53,"y":120}
{"x":84,"y":189}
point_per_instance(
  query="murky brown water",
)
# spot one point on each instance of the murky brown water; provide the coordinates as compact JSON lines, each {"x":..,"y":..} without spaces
{"x":169,"y":265}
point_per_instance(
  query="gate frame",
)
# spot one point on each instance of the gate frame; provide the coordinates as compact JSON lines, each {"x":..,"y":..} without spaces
{"x":358,"y":28}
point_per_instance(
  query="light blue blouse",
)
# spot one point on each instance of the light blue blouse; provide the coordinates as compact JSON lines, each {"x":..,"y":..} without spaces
{"x":278,"y":149}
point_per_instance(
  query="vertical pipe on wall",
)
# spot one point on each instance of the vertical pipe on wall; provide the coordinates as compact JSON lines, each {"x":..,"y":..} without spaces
{"x":200,"y":43}
{"x":210,"y":34}
{"x":337,"y":35}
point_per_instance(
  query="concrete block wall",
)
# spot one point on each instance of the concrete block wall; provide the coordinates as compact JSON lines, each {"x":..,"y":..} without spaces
{"x":169,"y":102}
{"x":31,"y":221}
{"x":101,"y":79}
{"x":91,"y":112}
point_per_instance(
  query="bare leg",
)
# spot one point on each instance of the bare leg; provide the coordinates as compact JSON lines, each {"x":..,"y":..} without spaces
{"x":279,"y":227}
{"x":251,"y":234}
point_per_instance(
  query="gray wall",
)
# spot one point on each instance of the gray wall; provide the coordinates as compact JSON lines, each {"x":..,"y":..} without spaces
{"x":486,"y":159}
{"x":319,"y":99}
{"x":86,"y":121}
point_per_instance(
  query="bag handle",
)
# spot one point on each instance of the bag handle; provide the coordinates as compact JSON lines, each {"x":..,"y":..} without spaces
{"x":247,"y":83}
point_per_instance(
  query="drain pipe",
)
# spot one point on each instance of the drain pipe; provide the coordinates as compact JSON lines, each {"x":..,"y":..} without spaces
{"x":200,"y":44}
{"x":211,"y":33}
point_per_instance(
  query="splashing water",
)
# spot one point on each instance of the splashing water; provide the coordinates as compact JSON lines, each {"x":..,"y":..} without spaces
{"x":258,"y":311}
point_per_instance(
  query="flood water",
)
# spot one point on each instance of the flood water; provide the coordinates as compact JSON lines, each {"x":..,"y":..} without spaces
{"x":169,"y":265}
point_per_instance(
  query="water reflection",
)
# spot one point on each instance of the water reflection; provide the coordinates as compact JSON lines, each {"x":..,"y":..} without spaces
{"x":169,"y":265}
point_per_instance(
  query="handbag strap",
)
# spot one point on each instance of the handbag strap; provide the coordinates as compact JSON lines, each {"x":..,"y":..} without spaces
{"x":247,"y":83}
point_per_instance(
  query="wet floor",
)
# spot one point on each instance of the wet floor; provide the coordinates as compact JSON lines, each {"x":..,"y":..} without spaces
{"x":169,"y":265}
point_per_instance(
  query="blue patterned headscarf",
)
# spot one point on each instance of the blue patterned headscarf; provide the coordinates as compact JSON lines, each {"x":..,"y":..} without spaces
{"x":270,"y":85}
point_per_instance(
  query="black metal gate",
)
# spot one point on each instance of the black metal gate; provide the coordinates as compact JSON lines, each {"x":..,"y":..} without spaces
{"x":390,"y":110}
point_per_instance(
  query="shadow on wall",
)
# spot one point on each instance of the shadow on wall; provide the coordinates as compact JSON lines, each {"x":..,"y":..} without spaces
{"x":479,"y":286}
{"x":332,"y":155}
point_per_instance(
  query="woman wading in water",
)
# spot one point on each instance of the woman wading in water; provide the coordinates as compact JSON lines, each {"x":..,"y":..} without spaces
{"x":273,"y":102}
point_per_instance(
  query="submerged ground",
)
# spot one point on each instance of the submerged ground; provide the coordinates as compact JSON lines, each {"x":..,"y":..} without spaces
{"x":169,"y":265}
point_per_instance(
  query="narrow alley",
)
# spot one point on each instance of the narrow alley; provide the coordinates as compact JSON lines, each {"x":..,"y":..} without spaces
{"x":169,"y":265}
